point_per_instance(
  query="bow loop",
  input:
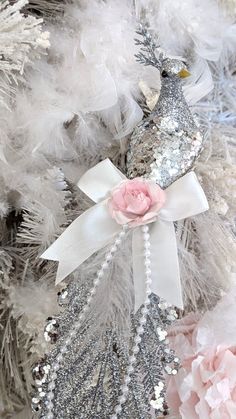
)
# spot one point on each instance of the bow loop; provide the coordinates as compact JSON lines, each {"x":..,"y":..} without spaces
{"x":184,"y":198}
{"x":97,"y":182}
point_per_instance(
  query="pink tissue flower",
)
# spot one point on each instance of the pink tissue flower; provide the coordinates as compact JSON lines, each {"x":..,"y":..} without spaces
{"x":136,"y":202}
{"x":205,"y":386}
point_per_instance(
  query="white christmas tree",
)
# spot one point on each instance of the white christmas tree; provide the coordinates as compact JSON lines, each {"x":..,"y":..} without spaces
{"x":66,"y":107}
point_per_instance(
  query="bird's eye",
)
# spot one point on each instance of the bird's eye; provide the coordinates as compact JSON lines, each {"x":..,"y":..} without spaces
{"x":164,"y":74}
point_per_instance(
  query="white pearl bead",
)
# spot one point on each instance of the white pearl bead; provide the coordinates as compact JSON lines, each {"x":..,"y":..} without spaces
{"x":49,"y":416}
{"x":130,"y":369}
{"x":118,"y":241}
{"x":147,"y":262}
{"x":93,"y":291}
{"x":125,"y":389}
{"x":89,"y":299}
{"x":118,"y":409}
{"x":51,"y":385}
{"x":132,"y":359}
{"x":122,"y":234}
{"x":147,"y":245}
{"x":96,"y":282}
{"x":104,"y":265}
{"x":127,"y":381}
{"x":50,"y":405}
{"x":68,"y":341}
{"x":136,"y":349}
{"x":148,"y":272}
{"x":56,"y":367}
{"x":50,"y":396}
{"x":86,"y":308}
{"x":147,"y":253}
{"x":140,"y":329}
{"x":148,"y":289}
{"x":113,"y":248}
{"x":143,"y":320}
{"x":63,"y":349}
{"x":144,"y":310}
{"x":109,"y":257}
{"x":137,"y":339}
{"x":59,"y":358}
{"x":145,"y":229}
{"x":100,"y":274}
{"x":54,"y":374}
{"x":122,"y":399}
{"x":148,"y":282}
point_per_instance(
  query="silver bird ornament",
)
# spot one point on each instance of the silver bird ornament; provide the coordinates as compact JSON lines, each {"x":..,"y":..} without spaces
{"x":165,"y":145}
{"x":105,"y":360}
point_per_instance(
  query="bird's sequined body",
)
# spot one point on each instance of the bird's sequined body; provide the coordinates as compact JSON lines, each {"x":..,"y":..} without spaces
{"x":165,"y":145}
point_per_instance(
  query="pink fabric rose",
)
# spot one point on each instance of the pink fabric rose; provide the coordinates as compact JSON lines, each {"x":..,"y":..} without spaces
{"x":205,"y":386}
{"x":136,"y":202}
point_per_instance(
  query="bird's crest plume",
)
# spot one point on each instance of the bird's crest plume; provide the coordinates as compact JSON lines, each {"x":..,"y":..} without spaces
{"x":150,"y":50}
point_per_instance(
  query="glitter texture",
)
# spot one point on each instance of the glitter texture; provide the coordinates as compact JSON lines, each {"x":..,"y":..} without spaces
{"x":165,"y":145}
{"x":89,"y":380}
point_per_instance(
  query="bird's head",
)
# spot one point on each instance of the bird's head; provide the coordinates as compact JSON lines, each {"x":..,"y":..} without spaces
{"x":174,"y":69}
{"x":149,"y":54}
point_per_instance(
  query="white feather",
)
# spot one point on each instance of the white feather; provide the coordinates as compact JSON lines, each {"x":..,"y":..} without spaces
{"x":200,"y":83}
{"x":75,"y":107}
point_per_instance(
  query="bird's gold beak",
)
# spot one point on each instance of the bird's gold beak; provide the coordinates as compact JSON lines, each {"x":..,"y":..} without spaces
{"x":184,"y":73}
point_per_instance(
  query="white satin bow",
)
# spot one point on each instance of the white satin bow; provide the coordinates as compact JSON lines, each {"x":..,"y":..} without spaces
{"x":95,"y":228}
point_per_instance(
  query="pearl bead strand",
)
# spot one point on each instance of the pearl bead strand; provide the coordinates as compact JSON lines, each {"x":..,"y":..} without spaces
{"x":100,"y":274}
{"x":142,"y":322}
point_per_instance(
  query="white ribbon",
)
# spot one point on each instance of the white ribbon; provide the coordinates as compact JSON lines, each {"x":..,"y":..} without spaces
{"x":95,"y":228}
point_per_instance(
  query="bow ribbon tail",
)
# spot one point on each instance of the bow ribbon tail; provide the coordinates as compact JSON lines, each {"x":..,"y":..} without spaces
{"x":164,"y":264}
{"x":90,"y":232}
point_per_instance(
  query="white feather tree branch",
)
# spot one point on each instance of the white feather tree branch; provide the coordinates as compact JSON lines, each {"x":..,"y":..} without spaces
{"x":78,"y":104}
{"x":21,"y":39}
